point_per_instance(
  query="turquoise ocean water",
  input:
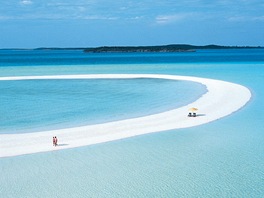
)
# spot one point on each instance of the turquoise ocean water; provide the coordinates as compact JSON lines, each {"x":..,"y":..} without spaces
{"x":224,"y":158}
{"x":37,"y":105}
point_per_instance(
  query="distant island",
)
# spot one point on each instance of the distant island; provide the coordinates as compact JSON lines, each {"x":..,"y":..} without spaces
{"x":158,"y":48}
{"x":161,"y":48}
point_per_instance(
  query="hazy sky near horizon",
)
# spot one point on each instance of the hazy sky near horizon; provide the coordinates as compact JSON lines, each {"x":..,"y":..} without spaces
{"x":89,"y":23}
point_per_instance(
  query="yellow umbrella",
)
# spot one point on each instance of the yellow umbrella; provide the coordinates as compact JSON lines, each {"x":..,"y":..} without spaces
{"x":193,"y":109}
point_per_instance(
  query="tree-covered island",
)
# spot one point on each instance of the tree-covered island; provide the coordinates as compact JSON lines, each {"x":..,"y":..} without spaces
{"x":160,"y":48}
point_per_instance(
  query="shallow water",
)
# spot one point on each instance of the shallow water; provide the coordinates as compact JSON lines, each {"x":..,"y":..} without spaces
{"x":223,"y":158}
{"x":37,"y":105}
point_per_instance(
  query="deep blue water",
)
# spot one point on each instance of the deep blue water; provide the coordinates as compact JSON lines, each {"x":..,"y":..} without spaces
{"x":224,"y":158}
{"x":78,"y":57}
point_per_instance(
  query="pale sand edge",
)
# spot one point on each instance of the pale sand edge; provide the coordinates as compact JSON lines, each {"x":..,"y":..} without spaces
{"x":222,"y":99}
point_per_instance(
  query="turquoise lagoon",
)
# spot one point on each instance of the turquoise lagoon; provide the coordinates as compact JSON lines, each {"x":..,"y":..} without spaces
{"x":37,"y":105}
{"x":224,"y":158}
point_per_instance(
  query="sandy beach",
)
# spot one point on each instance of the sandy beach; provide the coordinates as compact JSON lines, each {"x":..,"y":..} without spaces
{"x":222,"y":99}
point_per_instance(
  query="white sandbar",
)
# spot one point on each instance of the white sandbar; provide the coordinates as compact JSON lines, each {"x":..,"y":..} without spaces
{"x":222,"y":99}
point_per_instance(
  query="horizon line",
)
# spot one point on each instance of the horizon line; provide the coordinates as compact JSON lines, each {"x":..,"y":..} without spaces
{"x":82,"y":48}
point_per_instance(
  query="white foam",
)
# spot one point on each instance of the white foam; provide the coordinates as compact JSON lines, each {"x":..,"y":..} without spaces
{"x":222,"y":99}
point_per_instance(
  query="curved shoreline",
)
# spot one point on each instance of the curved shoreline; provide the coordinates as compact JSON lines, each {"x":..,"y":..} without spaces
{"x":222,"y":99}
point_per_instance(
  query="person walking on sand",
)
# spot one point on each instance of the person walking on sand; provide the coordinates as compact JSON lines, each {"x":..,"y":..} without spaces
{"x":56,"y":141}
{"x":53,"y":140}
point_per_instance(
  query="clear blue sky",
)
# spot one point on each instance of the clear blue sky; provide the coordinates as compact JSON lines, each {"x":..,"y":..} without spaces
{"x":85,"y":23}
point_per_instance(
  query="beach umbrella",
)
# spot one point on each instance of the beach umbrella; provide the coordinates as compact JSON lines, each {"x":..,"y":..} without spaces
{"x":193,"y":109}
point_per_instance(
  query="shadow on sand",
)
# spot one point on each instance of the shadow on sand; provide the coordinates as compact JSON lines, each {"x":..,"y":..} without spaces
{"x":198,"y":115}
{"x":62,"y":144}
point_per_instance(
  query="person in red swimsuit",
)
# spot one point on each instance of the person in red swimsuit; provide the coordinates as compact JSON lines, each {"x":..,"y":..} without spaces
{"x":53,"y":140}
{"x":56,"y":141}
